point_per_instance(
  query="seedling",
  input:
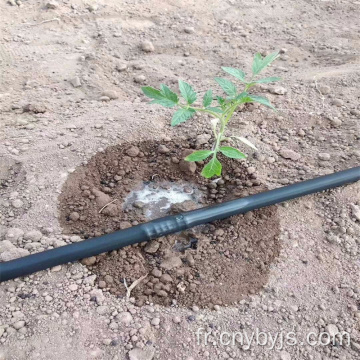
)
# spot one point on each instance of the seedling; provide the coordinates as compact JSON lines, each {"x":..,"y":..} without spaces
{"x":222,"y":112}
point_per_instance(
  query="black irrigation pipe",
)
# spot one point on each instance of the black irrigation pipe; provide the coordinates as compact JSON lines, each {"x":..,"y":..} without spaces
{"x":170,"y":224}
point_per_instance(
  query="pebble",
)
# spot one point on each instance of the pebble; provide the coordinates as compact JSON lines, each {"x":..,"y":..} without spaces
{"x":124,"y":318}
{"x":141,"y":354}
{"x":324,"y":89}
{"x":332,"y":330}
{"x":18,"y":324}
{"x":14,"y":234}
{"x":171,"y":263}
{"x":111,"y":94}
{"x":177,"y":319}
{"x":139,"y":79}
{"x":73,"y":287}
{"x":152,"y":247}
{"x":155,"y":321}
{"x":133,"y":151}
{"x":75,"y":82}
{"x":324,"y":156}
{"x":74,"y":216}
{"x":187,"y":166}
{"x":33,"y":235}
{"x":147,"y":46}
{"x":17,"y":203}
{"x":13,"y":254}
{"x":278,"y":90}
{"x":162,"y":149}
{"x":335,"y":121}
{"x":284,"y":355}
{"x":121,"y":67}
{"x":202,"y":139}
{"x":189,"y":30}
{"x":355,"y":211}
{"x":289,"y":154}
{"x":52,"y":5}
{"x":338,"y":102}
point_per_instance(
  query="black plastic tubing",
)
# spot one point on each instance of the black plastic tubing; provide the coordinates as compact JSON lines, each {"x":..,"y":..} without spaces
{"x":170,"y":224}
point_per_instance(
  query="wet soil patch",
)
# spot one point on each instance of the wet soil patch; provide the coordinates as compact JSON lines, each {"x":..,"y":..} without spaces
{"x":233,"y":256}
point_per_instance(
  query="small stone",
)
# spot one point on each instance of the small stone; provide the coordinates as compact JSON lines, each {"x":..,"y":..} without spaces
{"x":74,"y":216}
{"x":332,"y":330}
{"x":338,"y":102}
{"x":284,"y":355}
{"x":124,"y":318}
{"x":56,"y":268}
{"x":141,"y":354}
{"x":111,"y":94}
{"x":121,"y":67}
{"x":133,"y":151}
{"x":140,"y":79}
{"x":52,"y":5}
{"x":102,"y":284}
{"x":33,"y":235}
{"x":355,"y":211}
{"x":18,"y":324}
{"x":102,"y":310}
{"x":162,"y":149}
{"x":335,"y":121}
{"x":324,"y":89}
{"x":139,"y":204}
{"x":89,"y":261}
{"x":17,"y":203}
{"x":75,"y":82}
{"x":324,"y":156}
{"x":155,"y":321}
{"x":34,"y":108}
{"x":187,"y":166}
{"x":152,"y":247}
{"x":171,"y":263}
{"x":355,"y":112}
{"x":177,"y":319}
{"x":156,"y":272}
{"x":73,"y":287}
{"x":14,"y":234}
{"x":202,"y":139}
{"x":289,"y":154}
{"x":147,"y":46}
{"x":189,"y":30}
{"x":278,"y":90}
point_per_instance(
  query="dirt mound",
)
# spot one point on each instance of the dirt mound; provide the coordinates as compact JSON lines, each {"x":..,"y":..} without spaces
{"x":233,"y":256}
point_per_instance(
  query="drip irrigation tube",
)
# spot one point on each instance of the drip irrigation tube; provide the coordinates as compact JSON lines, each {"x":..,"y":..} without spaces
{"x":170,"y":224}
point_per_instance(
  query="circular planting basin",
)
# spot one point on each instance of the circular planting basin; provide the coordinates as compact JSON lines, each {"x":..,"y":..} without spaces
{"x":133,"y":183}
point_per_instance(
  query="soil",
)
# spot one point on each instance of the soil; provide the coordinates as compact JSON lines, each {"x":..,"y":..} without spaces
{"x":71,"y":73}
{"x":233,"y":254}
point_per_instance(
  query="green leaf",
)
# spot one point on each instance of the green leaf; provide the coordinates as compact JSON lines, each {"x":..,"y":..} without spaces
{"x":199,"y":155}
{"x":213,"y":167}
{"x":232,"y":152}
{"x":268,"y":80}
{"x":215,"y":109}
{"x":262,"y":100}
{"x":181,"y":116}
{"x":261,"y":63}
{"x":187,"y":92}
{"x":152,"y":93}
{"x":208,"y":98}
{"x":164,"y":102}
{"x":168,"y":94}
{"x":245,"y":141}
{"x":221,"y":101}
{"x":239,"y":74}
{"x":227,"y":86}
{"x":244,"y":97}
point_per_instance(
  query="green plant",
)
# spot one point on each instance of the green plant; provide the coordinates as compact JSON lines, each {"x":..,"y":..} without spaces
{"x":221,"y":113}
